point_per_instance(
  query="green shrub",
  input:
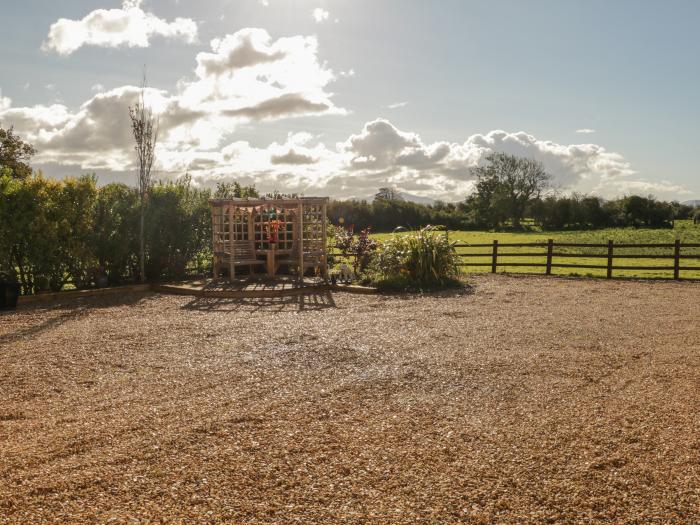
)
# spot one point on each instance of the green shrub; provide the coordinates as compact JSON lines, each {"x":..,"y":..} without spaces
{"x":415,"y":260}
{"x":114,"y":238}
{"x":178,"y":229}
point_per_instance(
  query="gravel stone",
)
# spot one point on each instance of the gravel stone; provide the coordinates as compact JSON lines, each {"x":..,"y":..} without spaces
{"x":519,"y":400}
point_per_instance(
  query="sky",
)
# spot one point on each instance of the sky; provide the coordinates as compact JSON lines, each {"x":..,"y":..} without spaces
{"x":342,"y":97}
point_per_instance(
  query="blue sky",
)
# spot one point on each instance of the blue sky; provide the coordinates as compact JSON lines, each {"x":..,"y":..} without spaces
{"x":399,"y":93}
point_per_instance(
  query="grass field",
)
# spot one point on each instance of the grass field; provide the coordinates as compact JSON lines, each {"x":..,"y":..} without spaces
{"x":684,"y":230}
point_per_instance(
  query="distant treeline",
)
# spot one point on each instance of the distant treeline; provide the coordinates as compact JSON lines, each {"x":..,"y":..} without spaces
{"x":550,"y":213}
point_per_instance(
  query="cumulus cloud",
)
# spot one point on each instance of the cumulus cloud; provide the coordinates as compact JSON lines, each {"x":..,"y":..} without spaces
{"x":292,"y":157}
{"x":248,"y":76}
{"x":97,"y":137}
{"x":129,"y":26}
{"x":5,"y":102}
{"x":396,"y":105}
{"x":585,"y":131}
{"x":245,"y":48}
{"x":662,"y":189}
{"x":381,"y":154}
{"x":320,"y":15}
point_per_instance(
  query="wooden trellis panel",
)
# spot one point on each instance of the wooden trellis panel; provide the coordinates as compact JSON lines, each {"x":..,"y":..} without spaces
{"x":285,"y":235}
{"x":241,"y":232}
{"x":241,"y":227}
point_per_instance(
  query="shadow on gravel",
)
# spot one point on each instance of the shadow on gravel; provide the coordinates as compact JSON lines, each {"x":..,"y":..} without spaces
{"x":312,"y":301}
{"x":44,"y":326}
{"x":68,"y":310}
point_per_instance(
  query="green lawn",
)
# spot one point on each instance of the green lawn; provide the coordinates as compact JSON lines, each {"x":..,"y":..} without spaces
{"x":684,"y":230}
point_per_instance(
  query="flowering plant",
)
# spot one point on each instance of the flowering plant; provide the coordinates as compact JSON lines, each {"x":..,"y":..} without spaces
{"x":361,"y":246}
{"x":273,"y":227}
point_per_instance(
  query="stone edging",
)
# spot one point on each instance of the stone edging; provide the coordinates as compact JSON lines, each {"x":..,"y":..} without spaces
{"x":77,"y":294}
{"x":181,"y":290}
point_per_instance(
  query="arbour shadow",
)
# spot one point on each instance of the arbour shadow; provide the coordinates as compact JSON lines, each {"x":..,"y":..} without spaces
{"x":258,"y":284}
{"x":312,"y":301}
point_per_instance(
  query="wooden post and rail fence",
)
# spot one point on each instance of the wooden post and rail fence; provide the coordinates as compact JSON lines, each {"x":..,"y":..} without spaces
{"x":500,"y":255}
{"x":550,"y":257}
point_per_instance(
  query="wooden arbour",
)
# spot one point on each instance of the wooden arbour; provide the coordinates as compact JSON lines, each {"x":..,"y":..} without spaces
{"x":269,"y":233}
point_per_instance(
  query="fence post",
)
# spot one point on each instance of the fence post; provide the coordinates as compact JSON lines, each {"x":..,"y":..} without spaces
{"x":495,"y":256}
{"x":677,"y":260}
{"x":550,"y":248}
{"x":610,"y":258}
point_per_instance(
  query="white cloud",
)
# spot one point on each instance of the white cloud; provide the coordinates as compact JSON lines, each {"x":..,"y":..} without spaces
{"x":246,"y":48}
{"x":265,"y":3}
{"x":248,"y":76}
{"x":585,"y":131}
{"x":97,"y":137}
{"x":97,"y":88}
{"x":5,"y":102}
{"x":381,"y":154}
{"x":129,"y":26}
{"x":662,"y":189}
{"x":320,"y":15}
{"x":396,"y":105}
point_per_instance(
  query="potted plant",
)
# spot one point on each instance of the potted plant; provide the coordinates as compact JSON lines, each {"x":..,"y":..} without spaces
{"x":9,"y":290}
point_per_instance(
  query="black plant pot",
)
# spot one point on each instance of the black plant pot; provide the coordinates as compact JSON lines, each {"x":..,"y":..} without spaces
{"x":9,"y":293}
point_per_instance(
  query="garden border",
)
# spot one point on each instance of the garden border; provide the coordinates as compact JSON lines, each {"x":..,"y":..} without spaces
{"x":170,"y":289}
{"x":78,"y":294}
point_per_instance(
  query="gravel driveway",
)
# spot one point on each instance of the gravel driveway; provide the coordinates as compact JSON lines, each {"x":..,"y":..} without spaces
{"x":522,"y":400}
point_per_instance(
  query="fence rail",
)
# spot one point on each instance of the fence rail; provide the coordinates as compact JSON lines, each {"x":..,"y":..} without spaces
{"x":496,"y":259}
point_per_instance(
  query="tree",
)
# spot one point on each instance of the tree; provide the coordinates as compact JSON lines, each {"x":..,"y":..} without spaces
{"x":647,"y":211}
{"x":178,"y":228}
{"x":19,"y":207}
{"x":506,"y":184}
{"x":234,"y":190}
{"x":115,"y":219}
{"x":144,"y":126}
{"x":388,"y":194}
{"x":15,"y":155}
